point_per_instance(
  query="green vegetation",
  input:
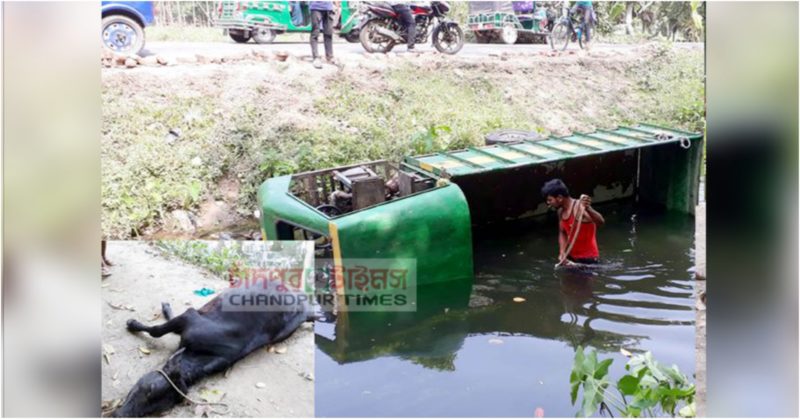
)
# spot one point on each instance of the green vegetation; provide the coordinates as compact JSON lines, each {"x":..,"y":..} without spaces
{"x":674,"y":85}
{"x":236,"y":259}
{"x":637,"y":21}
{"x":147,"y":172}
{"x":244,"y":123}
{"x":647,"y":389}
{"x":219,"y":258}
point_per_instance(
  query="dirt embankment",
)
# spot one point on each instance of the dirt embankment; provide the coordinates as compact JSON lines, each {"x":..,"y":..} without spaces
{"x":185,"y":146}
{"x":276,"y":382}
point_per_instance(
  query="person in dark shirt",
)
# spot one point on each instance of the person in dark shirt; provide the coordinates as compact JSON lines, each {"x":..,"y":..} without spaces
{"x":404,"y":13}
{"x":321,"y":18}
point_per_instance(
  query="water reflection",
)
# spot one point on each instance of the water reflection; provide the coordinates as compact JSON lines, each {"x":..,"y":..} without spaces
{"x":466,"y":338}
{"x":429,"y":336}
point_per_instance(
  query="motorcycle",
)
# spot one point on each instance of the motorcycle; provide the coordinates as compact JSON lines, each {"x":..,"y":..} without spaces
{"x":381,"y":30}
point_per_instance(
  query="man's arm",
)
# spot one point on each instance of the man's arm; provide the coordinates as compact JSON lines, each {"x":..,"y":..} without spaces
{"x":562,"y":238}
{"x":562,"y":243}
{"x":595,"y":216}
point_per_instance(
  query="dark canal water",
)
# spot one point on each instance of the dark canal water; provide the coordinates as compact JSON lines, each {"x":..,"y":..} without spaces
{"x":478,"y":353}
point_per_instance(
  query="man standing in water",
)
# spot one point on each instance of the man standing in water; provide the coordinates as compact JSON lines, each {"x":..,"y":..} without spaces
{"x":583,"y":247}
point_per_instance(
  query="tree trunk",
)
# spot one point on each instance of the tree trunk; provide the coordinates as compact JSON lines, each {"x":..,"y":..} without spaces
{"x":207,"y":7}
{"x":629,"y":18}
{"x":180,"y":13}
{"x":168,"y":9}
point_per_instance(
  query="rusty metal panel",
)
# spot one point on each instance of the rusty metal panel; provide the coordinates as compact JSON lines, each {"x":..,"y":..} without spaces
{"x":368,"y":192}
{"x":514,"y":193}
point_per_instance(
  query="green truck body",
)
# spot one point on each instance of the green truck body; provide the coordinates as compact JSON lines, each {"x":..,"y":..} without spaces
{"x":482,"y":185}
{"x":431,"y":227}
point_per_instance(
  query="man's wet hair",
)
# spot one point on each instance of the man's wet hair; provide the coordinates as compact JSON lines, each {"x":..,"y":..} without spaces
{"x":554,"y":188}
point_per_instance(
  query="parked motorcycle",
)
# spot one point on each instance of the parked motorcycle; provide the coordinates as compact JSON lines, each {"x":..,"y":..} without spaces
{"x":381,"y":29}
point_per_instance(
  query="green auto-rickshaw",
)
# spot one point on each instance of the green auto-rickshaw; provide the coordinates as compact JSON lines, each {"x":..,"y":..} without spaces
{"x":263,"y":20}
{"x":510,"y":21}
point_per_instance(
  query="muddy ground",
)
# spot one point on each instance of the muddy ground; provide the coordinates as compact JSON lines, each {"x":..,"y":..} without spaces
{"x":276,"y":382}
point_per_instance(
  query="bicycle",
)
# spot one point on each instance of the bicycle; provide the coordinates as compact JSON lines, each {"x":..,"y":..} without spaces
{"x":565,"y":30}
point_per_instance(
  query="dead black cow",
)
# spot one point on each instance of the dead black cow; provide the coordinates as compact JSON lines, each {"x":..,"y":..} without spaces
{"x":213,"y":338}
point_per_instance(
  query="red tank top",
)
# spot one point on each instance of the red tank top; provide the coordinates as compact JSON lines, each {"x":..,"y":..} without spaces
{"x":586,"y":244}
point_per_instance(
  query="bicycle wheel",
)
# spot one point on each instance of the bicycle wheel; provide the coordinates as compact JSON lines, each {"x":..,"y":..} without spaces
{"x":559,"y":36}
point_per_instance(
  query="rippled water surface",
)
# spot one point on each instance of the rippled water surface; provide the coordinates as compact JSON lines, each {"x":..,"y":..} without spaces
{"x":475,"y":352}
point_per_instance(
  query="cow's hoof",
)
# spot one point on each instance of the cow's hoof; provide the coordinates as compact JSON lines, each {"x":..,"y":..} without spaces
{"x":133,"y":325}
{"x":166,"y":309}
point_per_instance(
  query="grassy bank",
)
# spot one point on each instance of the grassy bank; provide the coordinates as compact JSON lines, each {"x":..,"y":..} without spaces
{"x":240,"y":124}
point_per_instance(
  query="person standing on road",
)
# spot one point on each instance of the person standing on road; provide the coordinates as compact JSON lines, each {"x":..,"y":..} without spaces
{"x":407,"y":19}
{"x":321,"y":18}
{"x":587,"y":14}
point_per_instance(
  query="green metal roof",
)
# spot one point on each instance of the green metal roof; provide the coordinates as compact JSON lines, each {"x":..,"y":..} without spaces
{"x":526,"y":152}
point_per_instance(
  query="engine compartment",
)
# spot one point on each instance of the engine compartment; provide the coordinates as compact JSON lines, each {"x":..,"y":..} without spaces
{"x":346,"y":189}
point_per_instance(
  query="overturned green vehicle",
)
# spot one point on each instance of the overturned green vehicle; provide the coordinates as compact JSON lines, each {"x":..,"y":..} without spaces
{"x":425,"y":207}
{"x":264,"y":20}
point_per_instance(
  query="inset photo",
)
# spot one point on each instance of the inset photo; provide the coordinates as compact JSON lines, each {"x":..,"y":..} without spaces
{"x":207,"y":329}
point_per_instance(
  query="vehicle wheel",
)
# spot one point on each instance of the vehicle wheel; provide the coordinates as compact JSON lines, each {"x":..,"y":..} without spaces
{"x":329,"y":210}
{"x":508,"y":136}
{"x":240,"y":37}
{"x":509,"y":34}
{"x":263,"y":35}
{"x":559,"y":36}
{"x":372,"y":41}
{"x":482,"y":38}
{"x":448,"y":39}
{"x":122,"y":34}
{"x":352,"y":36}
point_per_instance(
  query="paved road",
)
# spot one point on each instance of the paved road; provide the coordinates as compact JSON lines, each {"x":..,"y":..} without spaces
{"x":342,"y":48}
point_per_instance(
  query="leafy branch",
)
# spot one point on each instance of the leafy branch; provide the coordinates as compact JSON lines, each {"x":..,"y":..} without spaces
{"x":647,"y":390}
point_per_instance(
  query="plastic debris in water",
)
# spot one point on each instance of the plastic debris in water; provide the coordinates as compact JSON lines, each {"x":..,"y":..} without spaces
{"x":519,"y":300}
{"x":204,"y":292}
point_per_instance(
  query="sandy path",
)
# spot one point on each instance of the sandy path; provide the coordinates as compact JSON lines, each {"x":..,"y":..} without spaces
{"x":347,"y":50}
{"x":142,"y":279}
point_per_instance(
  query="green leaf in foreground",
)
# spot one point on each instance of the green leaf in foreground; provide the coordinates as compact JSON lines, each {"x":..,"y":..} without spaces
{"x":650,"y":389}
